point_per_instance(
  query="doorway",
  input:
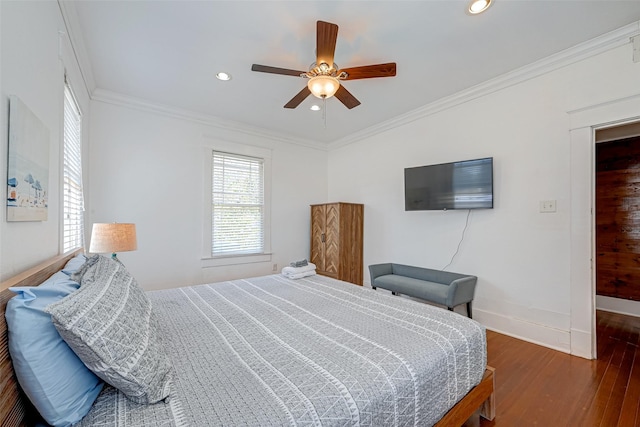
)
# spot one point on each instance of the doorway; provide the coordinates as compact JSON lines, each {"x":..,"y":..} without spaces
{"x":585,"y":122}
{"x":617,"y":219}
{"x":616,"y":200}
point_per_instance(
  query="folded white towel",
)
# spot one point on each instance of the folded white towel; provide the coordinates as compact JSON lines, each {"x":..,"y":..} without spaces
{"x":299,"y":275}
{"x":295,"y":270}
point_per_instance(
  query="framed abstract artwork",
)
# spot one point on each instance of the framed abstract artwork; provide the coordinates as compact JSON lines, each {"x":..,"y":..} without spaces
{"x":28,"y":168}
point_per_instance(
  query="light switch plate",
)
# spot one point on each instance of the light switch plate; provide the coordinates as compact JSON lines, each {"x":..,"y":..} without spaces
{"x":547,"y":206}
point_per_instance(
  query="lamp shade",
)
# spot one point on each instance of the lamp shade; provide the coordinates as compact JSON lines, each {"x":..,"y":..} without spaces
{"x":323,"y":86}
{"x":113,"y":237}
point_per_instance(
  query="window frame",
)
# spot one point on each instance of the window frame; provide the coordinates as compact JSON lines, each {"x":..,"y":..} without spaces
{"x":69,"y":98}
{"x":208,"y":258}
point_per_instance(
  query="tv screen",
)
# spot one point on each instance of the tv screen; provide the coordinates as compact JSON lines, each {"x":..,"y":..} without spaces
{"x":458,"y":185}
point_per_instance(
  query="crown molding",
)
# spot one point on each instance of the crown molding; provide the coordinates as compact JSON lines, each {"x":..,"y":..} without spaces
{"x":608,"y":41}
{"x":603,"y":43}
{"x":74,"y":31}
{"x":109,"y":97}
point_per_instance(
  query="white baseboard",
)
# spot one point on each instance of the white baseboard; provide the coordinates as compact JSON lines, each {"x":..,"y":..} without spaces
{"x":618,"y":305}
{"x":581,"y":345}
{"x":535,"y":333}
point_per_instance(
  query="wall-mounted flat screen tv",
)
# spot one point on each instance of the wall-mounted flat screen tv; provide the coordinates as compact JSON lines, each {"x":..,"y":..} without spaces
{"x":458,"y":185}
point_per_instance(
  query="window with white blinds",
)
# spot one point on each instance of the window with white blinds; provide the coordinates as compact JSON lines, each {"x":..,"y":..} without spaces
{"x":73,"y":221}
{"x":238,"y":208}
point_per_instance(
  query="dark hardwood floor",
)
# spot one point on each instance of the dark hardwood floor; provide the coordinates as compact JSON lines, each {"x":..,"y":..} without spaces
{"x":537,"y":386}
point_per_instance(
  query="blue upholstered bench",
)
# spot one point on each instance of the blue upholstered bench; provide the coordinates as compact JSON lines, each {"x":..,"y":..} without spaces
{"x":440,"y":287}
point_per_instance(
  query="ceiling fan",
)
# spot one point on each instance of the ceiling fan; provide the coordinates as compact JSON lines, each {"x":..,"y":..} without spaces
{"x":325,"y":76}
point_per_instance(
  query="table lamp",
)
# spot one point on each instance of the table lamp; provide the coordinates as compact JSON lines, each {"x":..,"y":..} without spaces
{"x":113,"y":237}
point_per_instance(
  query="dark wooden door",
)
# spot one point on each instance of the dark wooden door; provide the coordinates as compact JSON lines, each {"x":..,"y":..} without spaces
{"x":618,"y":218}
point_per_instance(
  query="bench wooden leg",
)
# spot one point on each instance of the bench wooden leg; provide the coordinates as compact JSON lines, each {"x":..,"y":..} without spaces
{"x":450,"y":308}
{"x":373,"y":287}
{"x":469,"y":310}
{"x":393,"y":293}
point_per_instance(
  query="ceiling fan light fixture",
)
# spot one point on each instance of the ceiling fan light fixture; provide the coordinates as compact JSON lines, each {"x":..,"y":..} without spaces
{"x":479,"y":6}
{"x":324,"y":75}
{"x":323,"y":87}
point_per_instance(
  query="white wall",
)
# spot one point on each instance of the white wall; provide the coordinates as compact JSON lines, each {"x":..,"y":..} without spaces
{"x":34,"y":54}
{"x":147,"y":168}
{"x":521,"y":256}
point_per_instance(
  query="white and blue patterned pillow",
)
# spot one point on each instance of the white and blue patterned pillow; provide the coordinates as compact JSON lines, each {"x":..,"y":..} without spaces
{"x":56,"y":381}
{"x":110,"y":325}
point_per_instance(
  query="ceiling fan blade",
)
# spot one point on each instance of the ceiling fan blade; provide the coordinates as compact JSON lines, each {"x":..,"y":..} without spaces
{"x":296,"y":100}
{"x":276,"y":70}
{"x":326,"y":36}
{"x":370,"y":71}
{"x":346,"y":98}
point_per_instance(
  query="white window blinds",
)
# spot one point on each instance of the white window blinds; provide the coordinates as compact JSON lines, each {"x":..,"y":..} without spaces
{"x":237,"y":204}
{"x":73,"y":221}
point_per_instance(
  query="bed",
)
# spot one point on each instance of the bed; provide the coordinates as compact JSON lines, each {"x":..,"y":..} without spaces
{"x":274,"y":351}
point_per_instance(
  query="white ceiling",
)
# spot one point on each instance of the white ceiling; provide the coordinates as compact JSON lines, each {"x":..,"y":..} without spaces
{"x":168,"y":52}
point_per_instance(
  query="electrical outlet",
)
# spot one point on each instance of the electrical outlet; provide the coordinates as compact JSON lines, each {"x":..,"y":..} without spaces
{"x":547,"y":206}
{"x":275,"y":268}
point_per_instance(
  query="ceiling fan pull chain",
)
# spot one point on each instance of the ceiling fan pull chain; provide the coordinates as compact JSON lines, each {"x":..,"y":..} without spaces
{"x":324,"y":111}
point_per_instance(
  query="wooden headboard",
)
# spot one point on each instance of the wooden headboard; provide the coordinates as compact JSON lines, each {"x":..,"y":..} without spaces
{"x":14,"y":406}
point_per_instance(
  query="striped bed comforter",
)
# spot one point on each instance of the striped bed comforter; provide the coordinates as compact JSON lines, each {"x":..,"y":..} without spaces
{"x":315,"y":351}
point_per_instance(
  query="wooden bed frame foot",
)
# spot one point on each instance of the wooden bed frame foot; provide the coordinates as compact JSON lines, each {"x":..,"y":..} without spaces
{"x":488,"y":408}
{"x":481,"y":396}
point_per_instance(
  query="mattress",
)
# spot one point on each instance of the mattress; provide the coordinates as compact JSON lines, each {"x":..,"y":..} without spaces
{"x":314,"y":351}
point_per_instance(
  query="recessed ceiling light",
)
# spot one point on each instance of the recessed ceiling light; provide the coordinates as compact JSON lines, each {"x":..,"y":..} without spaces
{"x":315,"y":107}
{"x":479,"y":6}
{"x":223,"y":76}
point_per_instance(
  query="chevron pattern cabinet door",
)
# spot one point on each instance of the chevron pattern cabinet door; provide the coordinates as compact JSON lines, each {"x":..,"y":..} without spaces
{"x":336,"y":240}
{"x":318,"y":224}
{"x":332,"y":240}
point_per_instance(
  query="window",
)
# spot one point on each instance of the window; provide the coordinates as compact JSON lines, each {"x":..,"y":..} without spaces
{"x":238,"y":205}
{"x":73,"y":221}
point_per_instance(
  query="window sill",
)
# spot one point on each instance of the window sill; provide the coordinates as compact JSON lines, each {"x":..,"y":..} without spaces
{"x":221,"y":261}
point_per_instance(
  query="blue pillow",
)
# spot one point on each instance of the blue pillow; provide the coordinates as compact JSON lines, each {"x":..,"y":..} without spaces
{"x":74,"y":264}
{"x":56,"y":381}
